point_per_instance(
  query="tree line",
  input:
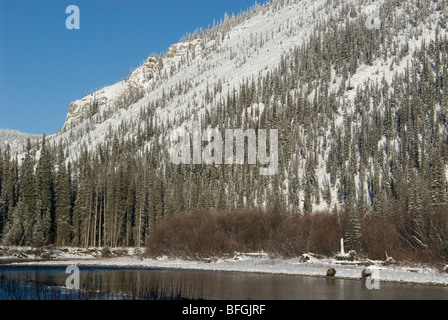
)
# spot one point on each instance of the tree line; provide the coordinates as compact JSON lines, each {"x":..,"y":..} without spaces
{"x":383,"y":149}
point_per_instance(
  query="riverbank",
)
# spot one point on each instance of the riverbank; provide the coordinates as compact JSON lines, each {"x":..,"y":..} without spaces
{"x":53,"y":253}
{"x":306,"y":265}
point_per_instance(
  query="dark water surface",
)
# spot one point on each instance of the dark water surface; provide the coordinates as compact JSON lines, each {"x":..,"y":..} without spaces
{"x":215,"y":285}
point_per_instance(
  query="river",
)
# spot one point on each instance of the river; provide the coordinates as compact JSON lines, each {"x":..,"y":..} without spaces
{"x":137,"y":282}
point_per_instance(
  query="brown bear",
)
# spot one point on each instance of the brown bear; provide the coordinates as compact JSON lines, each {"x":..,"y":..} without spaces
{"x":331,"y":272}
{"x":366,"y":273}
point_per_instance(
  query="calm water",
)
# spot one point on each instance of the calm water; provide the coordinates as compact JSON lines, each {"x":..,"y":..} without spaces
{"x":217,"y":285}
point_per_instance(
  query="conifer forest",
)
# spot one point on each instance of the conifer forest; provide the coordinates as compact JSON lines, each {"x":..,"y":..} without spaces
{"x":361,"y":111}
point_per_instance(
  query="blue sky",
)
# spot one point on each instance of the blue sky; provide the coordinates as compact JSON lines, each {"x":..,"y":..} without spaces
{"x":44,"y":66}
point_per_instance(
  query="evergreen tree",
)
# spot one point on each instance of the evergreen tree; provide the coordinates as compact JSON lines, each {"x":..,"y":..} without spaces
{"x":46,"y":195}
{"x":62,"y":201}
{"x":31,"y":211}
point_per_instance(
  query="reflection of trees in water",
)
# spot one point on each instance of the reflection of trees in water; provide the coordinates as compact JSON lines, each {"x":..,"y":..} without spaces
{"x":144,"y":284}
{"x":95,"y":285}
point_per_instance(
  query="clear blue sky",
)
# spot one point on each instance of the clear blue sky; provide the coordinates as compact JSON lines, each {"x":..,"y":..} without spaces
{"x":44,"y":66}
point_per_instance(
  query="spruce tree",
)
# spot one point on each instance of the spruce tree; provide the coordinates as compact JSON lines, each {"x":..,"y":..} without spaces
{"x":31,"y":212}
{"x":46,"y":194}
{"x":62,"y":201}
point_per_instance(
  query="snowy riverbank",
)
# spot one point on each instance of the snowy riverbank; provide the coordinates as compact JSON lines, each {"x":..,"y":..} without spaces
{"x":240,"y":262}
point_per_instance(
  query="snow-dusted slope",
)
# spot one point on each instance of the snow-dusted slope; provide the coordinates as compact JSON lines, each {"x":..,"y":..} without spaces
{"x":250,"y":47}
{"x":240,"y":48}
{"x":16,"y":140}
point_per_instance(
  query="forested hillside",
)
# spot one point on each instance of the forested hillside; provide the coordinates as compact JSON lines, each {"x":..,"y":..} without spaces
{"x":358,"y":91}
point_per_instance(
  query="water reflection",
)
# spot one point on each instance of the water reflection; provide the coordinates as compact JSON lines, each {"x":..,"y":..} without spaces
{"x":221,"y":285}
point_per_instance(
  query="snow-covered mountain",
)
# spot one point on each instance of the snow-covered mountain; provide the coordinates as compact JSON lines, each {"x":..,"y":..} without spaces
{"x":358,"y":94}
{"x":239,"y":48}
{"x":196,"y":77}
{"x":16,"y":140}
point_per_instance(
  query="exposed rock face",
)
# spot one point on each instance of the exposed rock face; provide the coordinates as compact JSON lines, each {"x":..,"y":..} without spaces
{"x":118,"y":95}
{"x":130,"y":90}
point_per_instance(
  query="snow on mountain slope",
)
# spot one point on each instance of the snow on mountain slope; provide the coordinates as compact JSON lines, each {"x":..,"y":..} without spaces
{"x":251,"y":47}
{"x":110,"y":97}
{"x":240,"y":48}
{"x":16,"y":140}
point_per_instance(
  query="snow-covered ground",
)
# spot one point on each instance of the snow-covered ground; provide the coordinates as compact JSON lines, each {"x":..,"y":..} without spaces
{"x":52,"y":253}
{"x":240,"y":262}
